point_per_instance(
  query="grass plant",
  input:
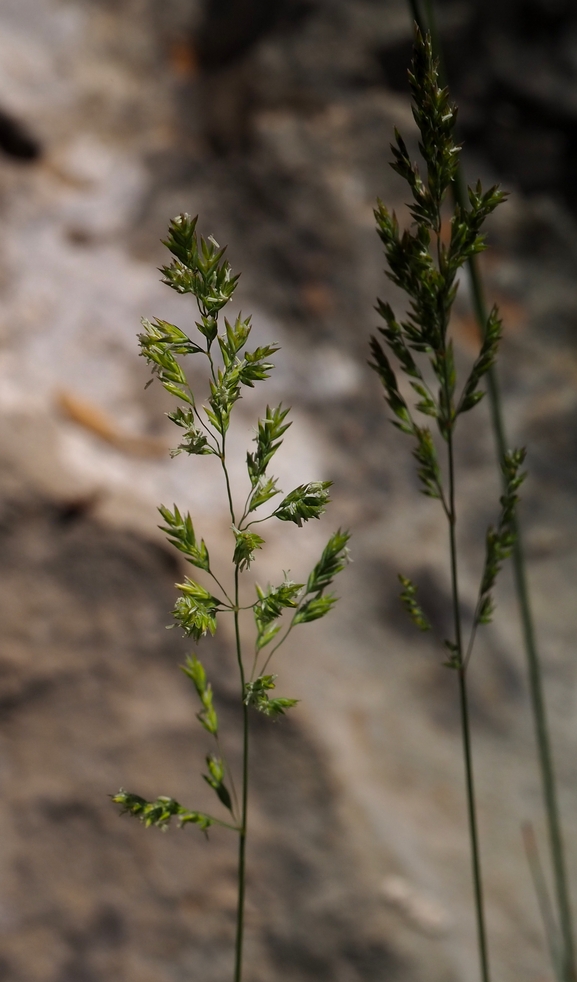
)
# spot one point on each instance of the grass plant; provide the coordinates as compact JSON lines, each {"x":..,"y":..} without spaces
{"x":562,"y":938}
{"x":198,"y":267}
{"x":423,"y":266}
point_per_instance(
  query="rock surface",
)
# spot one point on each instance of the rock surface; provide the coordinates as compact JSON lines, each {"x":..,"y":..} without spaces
{"x":360,"y":866}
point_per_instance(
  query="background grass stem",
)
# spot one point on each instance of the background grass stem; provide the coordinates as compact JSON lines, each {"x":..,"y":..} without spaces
{"x":465,"y":730}
{"x":543,"y":899}
{"x":473,"y":833}
{"x":534,"y":671}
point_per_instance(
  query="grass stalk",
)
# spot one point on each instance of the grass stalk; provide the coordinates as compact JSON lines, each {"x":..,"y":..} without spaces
{"x":242,"y":832}
{"x":465,"y":728}
{"x":427,"y":21}
{"x":543,"y":899}
{"x":535,"y":675}
{"x":473,"y":832}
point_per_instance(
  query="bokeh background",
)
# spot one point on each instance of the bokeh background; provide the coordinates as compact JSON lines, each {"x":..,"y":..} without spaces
{"x":273,"y":122}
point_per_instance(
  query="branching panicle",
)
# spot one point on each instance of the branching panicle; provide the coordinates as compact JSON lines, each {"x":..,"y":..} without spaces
{"x":199,"y":268}
{"x":425,"y":267}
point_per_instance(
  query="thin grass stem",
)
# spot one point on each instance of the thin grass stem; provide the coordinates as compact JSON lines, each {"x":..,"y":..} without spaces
{"x":243,"y":827}
{"x":219,"y":584}
{"x":228,"y":489}
{"x":473,"y":831}
{"x":276,"y":647}
{"x":205,"y":427}
{"x":539,"y":709}
{"x":242,"y":831}
{"x":465,"y":726}
{"x":543,"y":899}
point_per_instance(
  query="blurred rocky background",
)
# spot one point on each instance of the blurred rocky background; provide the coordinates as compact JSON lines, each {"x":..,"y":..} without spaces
{"x":273,"y":122}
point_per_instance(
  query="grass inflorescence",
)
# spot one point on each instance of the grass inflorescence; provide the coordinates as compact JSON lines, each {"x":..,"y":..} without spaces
{"x":198,"y":267}
{"x":425,"y":268}
{"x":559,"y":928}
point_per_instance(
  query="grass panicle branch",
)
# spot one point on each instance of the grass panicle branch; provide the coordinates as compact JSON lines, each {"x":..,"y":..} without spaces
{"x":424,"y":266}
{"x":199,"y":267}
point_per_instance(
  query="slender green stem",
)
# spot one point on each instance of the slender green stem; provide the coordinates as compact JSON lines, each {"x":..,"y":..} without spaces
{"x":471,"y":644}
{"x":224,"y":825}
{"x":444,"y":314}
{"x":543,"y":741}
{"x":208,"y":430}
{"x":555,"y":834}
{"x":243,"y":827}
{"x":219,"y":584}
{"x":212,"y":368}
{"x":466,"y":733}
{"x":245,"y":511}
{"x":221,"y":754}
{"x":278,"y":644}
{"x":475,"y":852}
{"x":254,"y":661}
{"x":548,"y":781}
{"x":256,"y":521}
{"x":245,"y":749}
{"x":544,"y":901}
{"x":228,"y":489}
